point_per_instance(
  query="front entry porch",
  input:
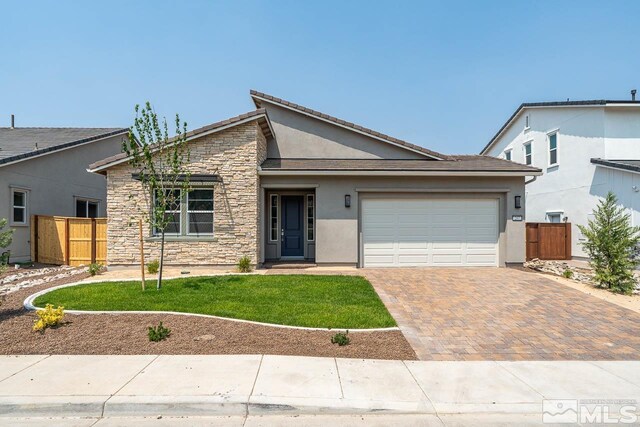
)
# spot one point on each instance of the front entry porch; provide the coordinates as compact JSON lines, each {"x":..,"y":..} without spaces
{"x":289,"y":235}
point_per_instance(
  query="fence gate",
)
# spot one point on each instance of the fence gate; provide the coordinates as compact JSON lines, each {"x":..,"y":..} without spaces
{"x":547,"y":240}
{"x":70,"y":241}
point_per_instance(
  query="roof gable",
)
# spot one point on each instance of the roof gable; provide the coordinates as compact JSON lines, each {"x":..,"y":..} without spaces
{"x":259,"y":98}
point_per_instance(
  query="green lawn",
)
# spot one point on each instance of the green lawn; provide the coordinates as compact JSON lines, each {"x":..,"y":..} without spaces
{"x":299,"y":300}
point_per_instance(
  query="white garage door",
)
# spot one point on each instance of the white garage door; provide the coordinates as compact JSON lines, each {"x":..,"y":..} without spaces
{"x":428,"y":232}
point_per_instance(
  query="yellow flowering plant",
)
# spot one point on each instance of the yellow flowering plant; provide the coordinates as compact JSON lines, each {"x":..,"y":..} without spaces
{"x":48,"y":317}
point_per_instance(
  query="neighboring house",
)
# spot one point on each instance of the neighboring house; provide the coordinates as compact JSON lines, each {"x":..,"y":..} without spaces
{"x":285,"y":182}
{"x":43,"y":171}
{"x":585,"y":148}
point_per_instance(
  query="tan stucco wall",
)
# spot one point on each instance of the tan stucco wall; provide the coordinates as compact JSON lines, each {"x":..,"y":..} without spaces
{"x":233,"y":154}
{"x":298,"y":136}
{"x":337,"y":227}
{"x":53,"y":182}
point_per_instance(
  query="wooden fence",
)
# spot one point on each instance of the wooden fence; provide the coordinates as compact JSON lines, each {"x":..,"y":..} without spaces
{"x":70,"y":241}
{"x":548,"y":240}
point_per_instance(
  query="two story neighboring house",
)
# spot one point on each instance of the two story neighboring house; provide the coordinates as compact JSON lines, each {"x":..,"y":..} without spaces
{"x":43,"y":171}
{"x":584,"y":148}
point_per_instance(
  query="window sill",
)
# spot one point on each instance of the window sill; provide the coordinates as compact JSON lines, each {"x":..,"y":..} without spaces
{"x":182,"y":239}
{"x":18,"y":224}
{"x":552,"y":167}
{"x":527,"y":129}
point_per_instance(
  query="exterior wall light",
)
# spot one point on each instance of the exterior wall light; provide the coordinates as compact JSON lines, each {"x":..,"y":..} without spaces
{"x":347,"y":200}
{"x":517,"y":202}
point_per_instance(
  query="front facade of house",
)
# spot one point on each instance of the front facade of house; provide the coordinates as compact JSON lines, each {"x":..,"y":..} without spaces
{"x":285,"y":182}
{"x":585,"y":149}
{"x":43,"y":171}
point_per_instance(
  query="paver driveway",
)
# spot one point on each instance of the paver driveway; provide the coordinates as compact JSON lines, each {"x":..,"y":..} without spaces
{"x":503,"y":314}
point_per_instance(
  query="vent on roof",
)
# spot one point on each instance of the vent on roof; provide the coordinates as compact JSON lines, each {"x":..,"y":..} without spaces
{"x":633,"y":94}
{"x":13,"y":121}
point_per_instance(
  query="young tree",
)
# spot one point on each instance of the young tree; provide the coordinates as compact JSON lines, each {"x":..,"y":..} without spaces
{"x":610,"y":244}
{"x":161,"y":165}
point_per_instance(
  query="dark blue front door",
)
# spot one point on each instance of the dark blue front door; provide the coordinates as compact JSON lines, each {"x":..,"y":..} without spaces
{"x":292,"y":238}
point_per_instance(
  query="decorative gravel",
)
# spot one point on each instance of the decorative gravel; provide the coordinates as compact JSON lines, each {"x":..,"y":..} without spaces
{"x":127,"y":334}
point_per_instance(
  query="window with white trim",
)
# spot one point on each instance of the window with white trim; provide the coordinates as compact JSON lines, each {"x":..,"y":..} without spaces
{"x":526,"y":121}
{"x":200,"y":212}
{"x":191,"y":214}
{"x":310,"y":217}
{"x":86,"y":208}
{"x":553,"y":149}
{"x":273,"y":218}
{"x":528,"y":156}
{"x":507,"y":154}
{"x":19,"y":206}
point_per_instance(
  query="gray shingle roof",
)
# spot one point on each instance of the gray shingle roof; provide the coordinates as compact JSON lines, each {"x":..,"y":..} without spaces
{"x":628,"y":165}
{"x":260,"y":95}
{"x":456,"y":163}
{"x":22,"y":143}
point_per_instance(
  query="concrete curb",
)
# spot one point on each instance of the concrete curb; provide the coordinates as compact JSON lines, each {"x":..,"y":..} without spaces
{"x":28,"y":304}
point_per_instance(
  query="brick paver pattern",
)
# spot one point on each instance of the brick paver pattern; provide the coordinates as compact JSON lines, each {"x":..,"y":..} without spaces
{"x":503,"y":314}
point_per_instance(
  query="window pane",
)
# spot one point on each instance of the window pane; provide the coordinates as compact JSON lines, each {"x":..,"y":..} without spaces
{"x":201,"y":200}
{"x":200,"y":223}
{"x":553,"y":141}
{"x":527,"y":149}
{"x":92,"y":210}
{"x":274,"y":218}
{"x":18,"y":214}
{"x":528,"y":159}
{"x":553,"y":157}
{"x":507,"y":155}
{"x":81,"y":208}
{"x":173,"y":226}
{"x":172,"y":199}
{"x":19,"y":198}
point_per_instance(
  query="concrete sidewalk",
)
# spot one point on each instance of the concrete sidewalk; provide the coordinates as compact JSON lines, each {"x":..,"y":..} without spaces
{"x":110,"y":387}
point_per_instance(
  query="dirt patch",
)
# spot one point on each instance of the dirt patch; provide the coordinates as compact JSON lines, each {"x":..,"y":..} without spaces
{"x":127,"y":334}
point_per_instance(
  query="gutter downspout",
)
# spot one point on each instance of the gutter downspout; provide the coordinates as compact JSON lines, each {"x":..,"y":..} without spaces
{"x":531,"y":180}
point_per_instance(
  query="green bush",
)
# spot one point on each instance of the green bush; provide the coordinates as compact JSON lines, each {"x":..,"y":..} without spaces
{"x":610,"y":244}
{"x":341,"y":339}
{"x":568,"y":274}
{"x":158,"y":333}
{"x":244,"y":265}
{"x":153,"y":266}
{"x":95,"y":268}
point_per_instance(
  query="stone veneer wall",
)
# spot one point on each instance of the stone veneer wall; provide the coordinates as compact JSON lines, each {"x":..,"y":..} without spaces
{"x":234,"y":154}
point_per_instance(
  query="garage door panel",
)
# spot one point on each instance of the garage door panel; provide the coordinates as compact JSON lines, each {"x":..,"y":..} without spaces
{"x":442,"y":232}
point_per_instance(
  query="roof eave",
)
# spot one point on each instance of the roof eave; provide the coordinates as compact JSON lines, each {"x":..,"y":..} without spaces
{"x":344,"y":172}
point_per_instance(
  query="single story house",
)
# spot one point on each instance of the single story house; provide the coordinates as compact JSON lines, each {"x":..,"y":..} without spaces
{"x":43,"y":171}
{"x":285,"y":182}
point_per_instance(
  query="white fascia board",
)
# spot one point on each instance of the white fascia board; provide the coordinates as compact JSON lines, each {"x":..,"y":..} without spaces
{"x":390,"y":173}
{"x":247,"y":120}
{"x":60,"y":150}
{"x":313,"y":116}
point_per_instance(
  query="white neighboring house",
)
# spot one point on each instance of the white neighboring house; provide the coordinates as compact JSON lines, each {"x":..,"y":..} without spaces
{"x":584,"y":148}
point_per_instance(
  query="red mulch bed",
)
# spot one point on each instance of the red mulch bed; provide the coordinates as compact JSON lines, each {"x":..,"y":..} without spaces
{"x":127,"y":334}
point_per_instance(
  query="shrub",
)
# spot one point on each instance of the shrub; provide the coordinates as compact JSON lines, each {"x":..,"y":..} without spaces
{"x":153,"y":266}
{"x":94,"y":268}
{"x":48,"y":317}
{"x":568,"y":274}
{"x":610,"y":244}
{"x":341,"y":339}
{"x":244,"y":265}
{"x":158,"y":333}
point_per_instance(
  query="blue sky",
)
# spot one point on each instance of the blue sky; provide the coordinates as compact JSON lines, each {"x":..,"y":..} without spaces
{"x":444,"y":74}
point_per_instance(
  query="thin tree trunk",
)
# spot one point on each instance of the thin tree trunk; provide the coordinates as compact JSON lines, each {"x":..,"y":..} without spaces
{"x":161,"y":262}
{"x":142,"y":255}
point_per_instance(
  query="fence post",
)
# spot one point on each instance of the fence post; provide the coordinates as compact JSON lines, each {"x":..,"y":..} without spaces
{"x":67,"y":242}
{"x":567,"y":240}
{"x":34,"y":243}
{"x":93,"y":240}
